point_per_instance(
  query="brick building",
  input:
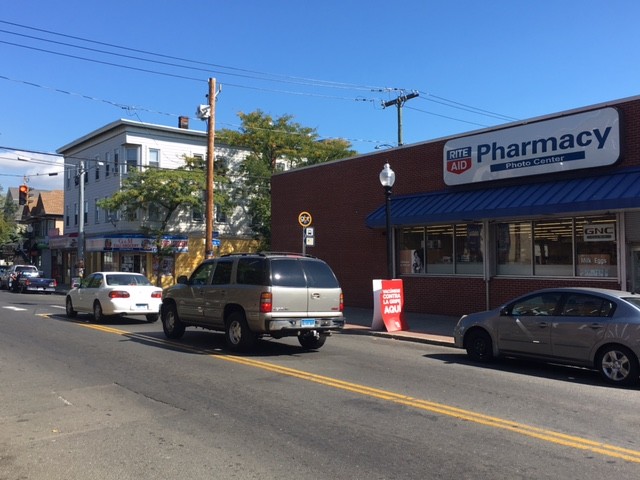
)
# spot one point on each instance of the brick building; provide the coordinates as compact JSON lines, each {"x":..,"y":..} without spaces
{"x":480,"y":217}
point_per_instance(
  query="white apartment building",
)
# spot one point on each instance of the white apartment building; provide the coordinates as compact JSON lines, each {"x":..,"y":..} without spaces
{"x":102,"y":159}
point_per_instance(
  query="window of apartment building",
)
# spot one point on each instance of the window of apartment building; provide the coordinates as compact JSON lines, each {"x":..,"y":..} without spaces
{"x":220,"y":215}
{"x":75,"y":214}
{"x":153,"y":212}
{"x":132,"y":158}
{"x":107,"y":164}
{"x":86,"y":211}
{"x":96,"y":212}
{"x":69,"y":175}
{"x":154,"y":158}
{"x":116,"y":162}
{"x":66,"y":216}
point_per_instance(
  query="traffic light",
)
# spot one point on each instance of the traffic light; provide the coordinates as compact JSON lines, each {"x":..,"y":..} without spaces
{"x":24,"y":195}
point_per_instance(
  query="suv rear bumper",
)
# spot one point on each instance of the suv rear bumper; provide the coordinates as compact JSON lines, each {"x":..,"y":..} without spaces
{"x":297,"y":324}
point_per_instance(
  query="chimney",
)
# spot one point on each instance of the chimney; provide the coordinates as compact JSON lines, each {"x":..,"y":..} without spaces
{"x":183,"y":122}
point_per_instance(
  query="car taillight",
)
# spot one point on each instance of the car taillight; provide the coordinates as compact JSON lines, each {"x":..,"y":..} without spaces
{"x":342,"y":302}
{"x":266,"y":302}
{"x":156,"y":294}
{"x":119,"y":294}
{"x":54,"y":283}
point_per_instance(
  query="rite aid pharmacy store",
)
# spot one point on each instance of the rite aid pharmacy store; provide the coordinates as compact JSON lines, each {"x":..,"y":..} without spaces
{"x":480,"y":218}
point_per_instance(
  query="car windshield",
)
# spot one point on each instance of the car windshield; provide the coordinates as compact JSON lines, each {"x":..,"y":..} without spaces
{"x":127,"y":280}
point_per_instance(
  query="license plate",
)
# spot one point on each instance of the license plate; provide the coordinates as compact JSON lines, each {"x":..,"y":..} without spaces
{"x":311,"y":322}
{"x":142,"y":306}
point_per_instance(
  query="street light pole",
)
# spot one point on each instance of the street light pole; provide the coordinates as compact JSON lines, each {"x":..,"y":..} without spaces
{"x":387,"y":179}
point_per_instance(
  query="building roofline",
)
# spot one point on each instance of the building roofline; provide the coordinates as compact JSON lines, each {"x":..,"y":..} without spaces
{"x":127,"y":123}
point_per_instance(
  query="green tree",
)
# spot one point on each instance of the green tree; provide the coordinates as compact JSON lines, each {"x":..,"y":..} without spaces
{"x":165,"y":193}
{"x":8,"y":227}
{"x":274,"y":144}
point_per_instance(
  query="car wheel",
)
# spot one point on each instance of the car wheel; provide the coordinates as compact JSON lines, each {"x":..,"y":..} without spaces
{"x":152,"y":317}
{"x":312,"y":340}
{"x":171,"y":324}
{"x":71,"y":313}
{"x":98,"y":316}
{"x":618,"y":365}
{"x":479,"y":346}
{"x":237,"y":332}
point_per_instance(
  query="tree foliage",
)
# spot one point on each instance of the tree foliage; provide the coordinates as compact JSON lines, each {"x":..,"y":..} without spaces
{"x":274,"y":144}
{"x":8,"y":227}
{"x":165,"y":192}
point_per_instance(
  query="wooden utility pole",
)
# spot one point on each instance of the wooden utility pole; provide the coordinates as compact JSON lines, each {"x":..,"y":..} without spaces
{"x":211,"y":127}
{"x":399,"y":102}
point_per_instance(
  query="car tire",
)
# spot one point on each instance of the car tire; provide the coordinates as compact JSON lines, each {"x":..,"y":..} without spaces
{"x":618,"y":365}
{"x":237,"y":333}
{"x":171,"y":324}
{"x":152,"y":317}
{"x":479,"y":346}
{"x":71,"y":313}
{"x":98,"y":315}
{"x":312,"y":340}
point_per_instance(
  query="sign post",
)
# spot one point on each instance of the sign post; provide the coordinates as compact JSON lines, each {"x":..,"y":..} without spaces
{"x":305,"y":220}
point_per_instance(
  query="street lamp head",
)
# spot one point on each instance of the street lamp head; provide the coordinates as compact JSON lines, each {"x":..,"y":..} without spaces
{"x":387,"y":176}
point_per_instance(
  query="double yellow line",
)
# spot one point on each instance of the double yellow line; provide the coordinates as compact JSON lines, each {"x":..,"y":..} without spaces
{"x":442,"y":409}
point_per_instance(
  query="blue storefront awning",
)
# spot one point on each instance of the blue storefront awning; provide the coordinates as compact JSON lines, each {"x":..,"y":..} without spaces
{"x":613,"y":191}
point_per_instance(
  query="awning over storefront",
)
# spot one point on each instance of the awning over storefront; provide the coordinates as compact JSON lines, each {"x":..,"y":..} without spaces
{"x":613,"y":191}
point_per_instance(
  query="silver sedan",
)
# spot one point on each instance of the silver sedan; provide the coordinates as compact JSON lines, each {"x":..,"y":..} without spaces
{"x":589,"y":327}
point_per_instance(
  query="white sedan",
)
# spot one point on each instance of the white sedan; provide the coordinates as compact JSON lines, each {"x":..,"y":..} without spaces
{"x":115,"y":293}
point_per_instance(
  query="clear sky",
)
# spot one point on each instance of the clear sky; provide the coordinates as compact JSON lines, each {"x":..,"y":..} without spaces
{"x":70,"y":67}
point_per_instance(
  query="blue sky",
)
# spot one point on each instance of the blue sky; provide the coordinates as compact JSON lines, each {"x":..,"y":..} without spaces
{"x":329,"y":64}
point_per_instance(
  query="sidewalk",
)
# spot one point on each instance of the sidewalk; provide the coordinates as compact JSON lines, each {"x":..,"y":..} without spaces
{"x":423,"y":327}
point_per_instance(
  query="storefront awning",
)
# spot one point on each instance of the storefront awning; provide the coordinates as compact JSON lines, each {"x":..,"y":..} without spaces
{"x":613,"y":191}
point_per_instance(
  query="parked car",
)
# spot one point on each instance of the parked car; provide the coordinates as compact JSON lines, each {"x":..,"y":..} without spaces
{"x":115,"y":293}
{"x":589,"y":327}
{"x":248,"y":296}
{"x":27,"y":282}
{"x":10,"y":277}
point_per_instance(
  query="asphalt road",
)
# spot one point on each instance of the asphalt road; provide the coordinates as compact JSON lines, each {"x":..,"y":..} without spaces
{"x":119,"y":401}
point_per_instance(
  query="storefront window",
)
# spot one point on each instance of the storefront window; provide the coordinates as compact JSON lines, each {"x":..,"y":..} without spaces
{"x":553,"y":247}
{"x":596,"y":247}
{"x":513,"y":241}
{"x":411,"y":251}
{"x":469,"y":245}
{"x":439,"y":249}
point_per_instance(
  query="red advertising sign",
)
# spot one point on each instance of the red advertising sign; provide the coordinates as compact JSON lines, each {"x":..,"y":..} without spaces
{"x":391,"y":303}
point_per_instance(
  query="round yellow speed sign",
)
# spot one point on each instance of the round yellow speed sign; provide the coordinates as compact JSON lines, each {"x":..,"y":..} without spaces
{"x":304,"y":219}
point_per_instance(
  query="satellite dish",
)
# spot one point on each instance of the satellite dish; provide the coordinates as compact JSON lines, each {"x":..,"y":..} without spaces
{"x":203,"y":112}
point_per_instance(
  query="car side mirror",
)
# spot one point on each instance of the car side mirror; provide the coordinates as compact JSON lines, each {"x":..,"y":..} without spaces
{"x":183,"y":279}
{"x":504,"y":311}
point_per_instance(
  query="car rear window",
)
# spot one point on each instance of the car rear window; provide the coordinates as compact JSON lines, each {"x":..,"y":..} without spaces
{"x":319,"y":275}
{"x":302,"y":273}
{"x":633,"y":301}
{"x":121,"y":280}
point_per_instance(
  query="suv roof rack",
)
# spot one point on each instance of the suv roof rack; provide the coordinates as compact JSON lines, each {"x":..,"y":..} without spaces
{"x":267,"y":253}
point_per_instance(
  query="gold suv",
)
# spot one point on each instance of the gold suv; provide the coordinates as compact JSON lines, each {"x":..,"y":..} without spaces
{"x":251,"y":295}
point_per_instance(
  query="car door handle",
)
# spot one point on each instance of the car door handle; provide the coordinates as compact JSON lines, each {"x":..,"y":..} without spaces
{"x":595,"y":326}
{"x":315,"y":295}
{"x":543,"y":324}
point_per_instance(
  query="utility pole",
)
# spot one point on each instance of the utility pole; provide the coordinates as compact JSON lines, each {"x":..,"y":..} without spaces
{"x":399,"y":102}
{"x":211,"y":127}
{"x":80,"y":260}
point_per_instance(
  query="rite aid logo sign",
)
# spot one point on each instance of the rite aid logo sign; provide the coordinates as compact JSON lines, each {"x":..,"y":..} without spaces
{"x":584,"y":140}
